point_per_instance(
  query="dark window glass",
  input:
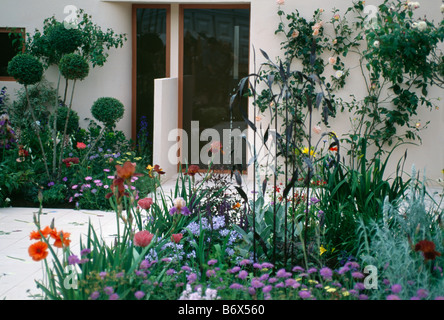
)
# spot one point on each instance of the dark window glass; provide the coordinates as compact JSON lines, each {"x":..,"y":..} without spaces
{"x":10,"y":45}
{"x":151,"y":64}
{"x":216,"y":52}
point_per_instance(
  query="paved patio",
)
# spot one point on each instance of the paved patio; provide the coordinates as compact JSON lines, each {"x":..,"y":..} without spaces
{"x":17,"y":270}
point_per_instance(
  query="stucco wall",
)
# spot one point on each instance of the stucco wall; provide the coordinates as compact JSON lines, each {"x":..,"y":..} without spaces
{"x":114,"y":79}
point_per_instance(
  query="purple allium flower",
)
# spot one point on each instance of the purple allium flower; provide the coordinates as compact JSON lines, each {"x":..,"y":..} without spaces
{"x":326,"y":273}
{"x":170,"y":272}
{"x":103,"y":274}
{"x":304,"y":294}
{"x":352,"y":265}
{"x":234,"y":269}
{"x":256,"y":283}
{"x":165,"y":260}
{"x":139,"y":294}
{"x":353,"y":292}
{"x":264,"y":277}
{"x":396,"y":288}
{"x":242,"y":274}
{"x":439,"y":298}
{"x":279,"y":285}
{"x":357,"y":275}
{"x":267,"y":265}
{"x":359,"y":286}
{"x":298,"y":269}
{"x":191,"y":277}
{"x":267,"y":288}
{"x":251,"y":291}
{"x":343,"y":270}
{"x":210,"y":273}
{"x":73,"y":259}
{"x":314,"y":200}
{"x":272,"y":280}
{"x":186,"y":268}
{"x":422,"y":293}
{"x":144,"y":265}
{"x":65,"y":179}
{"x":114,"y":296}
{"x":50,"y":184}
{"x":212,"y":262}
{"x":290,"y":282}
{"x":415,"y":298}
{"x":94,"y":295}
{"x":393,"y":297}
{"x":120,"y":274}
{"x":283,"y":274}
{"x":108,"y":290}
{"x":236,"y":286}
{"x":363,"y":297}
{"x":386,"y":282}
{"x":88,"y":178}
{"x":312,"y":270}
{"x":85,"y":251}
{"x":244,"y":262}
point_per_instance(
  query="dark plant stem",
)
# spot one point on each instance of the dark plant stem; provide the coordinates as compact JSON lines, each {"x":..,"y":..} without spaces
{"x":64,"y":131}
{"x":54,"y":129}
{"x":45,"y":162}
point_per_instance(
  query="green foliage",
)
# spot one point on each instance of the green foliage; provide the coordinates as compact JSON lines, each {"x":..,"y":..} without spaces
{"x":73,"y":67}
{"x":73,"y":121}
{"x":26,"y":69}
{"x":390,"y":245}
{"x":107,"y":110}
{"x":64,"y":40}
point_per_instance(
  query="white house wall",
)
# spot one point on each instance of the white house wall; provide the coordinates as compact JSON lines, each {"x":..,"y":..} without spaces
{"x":114,"y":78}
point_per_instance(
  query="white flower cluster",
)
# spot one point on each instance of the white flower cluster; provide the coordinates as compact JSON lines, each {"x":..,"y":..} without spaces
{"x":413,"y":5}
{"x":420,"y":25}
{"x":189,"y":294}
{"x":442,"y":8}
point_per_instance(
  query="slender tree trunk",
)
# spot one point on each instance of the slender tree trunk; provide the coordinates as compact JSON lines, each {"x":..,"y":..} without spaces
{"x":45,"y":162}
{"x":64,"y":131}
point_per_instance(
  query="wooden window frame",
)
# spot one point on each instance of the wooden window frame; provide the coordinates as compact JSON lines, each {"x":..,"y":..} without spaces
{"x":134,"y":56}
{"x":23,"y":32}
{"x":182,"y":7}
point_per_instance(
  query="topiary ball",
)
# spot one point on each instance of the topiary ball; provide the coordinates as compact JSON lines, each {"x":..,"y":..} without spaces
{"x":73,"y":66}
{"x":73,"y":121}
{"x":108,"y":111}
{"x":26,"y":69}
{"x":64,"y":40}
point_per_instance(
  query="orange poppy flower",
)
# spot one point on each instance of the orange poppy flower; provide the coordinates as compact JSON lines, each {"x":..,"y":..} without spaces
{"x":37,"y":235}
{"x":61,"y":238}
{"x":38,"y":251}
{"x":428,"y":249}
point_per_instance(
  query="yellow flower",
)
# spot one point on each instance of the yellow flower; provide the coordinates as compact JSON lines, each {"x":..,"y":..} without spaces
{"x":345,"y":293}
{"x":128,"y":153}
{"x":305,"y":151}
{"x":330,"y":289}
{"x":138,"y":158}
{"x":313,"y":281}
{"x":119,"y":162}
{"x":322,"y":250}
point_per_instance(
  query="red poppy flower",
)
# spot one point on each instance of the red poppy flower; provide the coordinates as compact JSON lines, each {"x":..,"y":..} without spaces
{"x":428,"y":249}
{"x":81,"y":145}
{"x":176,"y":237}
{"x":69,"y":161}
{"x":335,"y":148}
{"x":143,"y":238}
{"x":145,"y":203}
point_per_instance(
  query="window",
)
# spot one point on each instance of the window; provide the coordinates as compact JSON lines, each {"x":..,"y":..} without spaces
{"x":11,"y":44}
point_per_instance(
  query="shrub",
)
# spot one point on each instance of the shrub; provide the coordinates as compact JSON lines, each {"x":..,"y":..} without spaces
{"x":73,"y":121}
{"x":73,"y":66}
{"x":108,"y":111}
{"x":64,"y":40}
{"x":26,"y":69}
